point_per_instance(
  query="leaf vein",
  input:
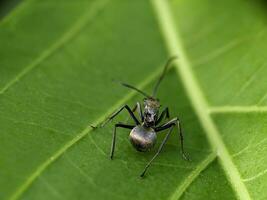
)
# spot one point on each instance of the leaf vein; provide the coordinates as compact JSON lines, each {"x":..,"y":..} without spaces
{"x":255,"y":176}
{"x":52,"y":189}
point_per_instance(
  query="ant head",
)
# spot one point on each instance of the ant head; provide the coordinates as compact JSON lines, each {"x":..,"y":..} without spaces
{"x":151,"y":110}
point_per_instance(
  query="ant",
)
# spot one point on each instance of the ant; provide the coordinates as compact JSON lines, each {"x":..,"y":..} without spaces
{"x":143,"y":134}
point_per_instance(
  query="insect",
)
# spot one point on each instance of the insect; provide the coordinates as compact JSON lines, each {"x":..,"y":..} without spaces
{"x":143,"y":135}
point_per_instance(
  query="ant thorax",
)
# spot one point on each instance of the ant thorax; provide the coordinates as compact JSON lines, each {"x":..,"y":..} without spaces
{"x":151,"y":110}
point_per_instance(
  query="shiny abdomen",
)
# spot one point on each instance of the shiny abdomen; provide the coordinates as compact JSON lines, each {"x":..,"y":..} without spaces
{"x":142,"y":138}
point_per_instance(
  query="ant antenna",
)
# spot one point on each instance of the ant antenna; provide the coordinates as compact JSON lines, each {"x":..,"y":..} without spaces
{"x":136,"y":89}
{"x":169,"y":61}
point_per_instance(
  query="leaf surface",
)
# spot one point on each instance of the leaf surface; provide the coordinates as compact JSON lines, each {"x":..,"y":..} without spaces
{"x":56,"y":79}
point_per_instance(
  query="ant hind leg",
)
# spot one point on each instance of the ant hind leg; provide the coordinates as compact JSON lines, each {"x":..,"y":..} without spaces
{"x":114,"y":136}
{"x":159,"y":150}
{"x":175,"y":122}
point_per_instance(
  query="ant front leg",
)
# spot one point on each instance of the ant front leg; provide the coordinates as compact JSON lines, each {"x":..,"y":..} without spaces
{"x":114,"y":136}
{"x":117,"y":112}
{"x":170,"y":124}
{"x":165,"y":114}
{"x":139,"y":109}
{"x":158,"y":152}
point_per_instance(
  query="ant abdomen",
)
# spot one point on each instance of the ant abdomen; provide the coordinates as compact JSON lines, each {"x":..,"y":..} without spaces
{"x":143,"y":138}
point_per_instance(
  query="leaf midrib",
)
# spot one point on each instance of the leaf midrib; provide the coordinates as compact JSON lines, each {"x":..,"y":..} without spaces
{"x":183,"y":66}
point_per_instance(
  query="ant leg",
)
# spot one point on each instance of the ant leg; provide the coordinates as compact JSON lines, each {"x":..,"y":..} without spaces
{"x":117,"y":112}
{"x":134,"y":108}
{"x":158,"y":152}
{"x":174,"y":122}
{"x":114,"y":136}
{"x":165,"y":114}
{"x":139,"y":109}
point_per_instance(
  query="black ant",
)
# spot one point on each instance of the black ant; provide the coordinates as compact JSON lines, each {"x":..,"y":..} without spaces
{"x":143,"y":135}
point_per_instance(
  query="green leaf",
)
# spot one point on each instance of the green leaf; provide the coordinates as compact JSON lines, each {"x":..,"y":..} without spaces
{"x":58,"y":61}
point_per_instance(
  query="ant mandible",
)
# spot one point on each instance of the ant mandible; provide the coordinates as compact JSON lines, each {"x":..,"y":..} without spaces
{"x":143,"y":134}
